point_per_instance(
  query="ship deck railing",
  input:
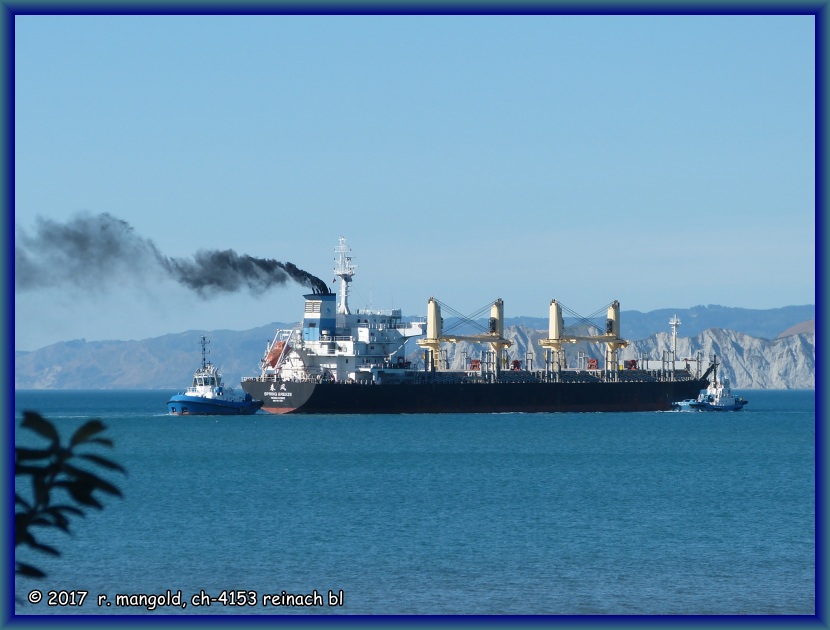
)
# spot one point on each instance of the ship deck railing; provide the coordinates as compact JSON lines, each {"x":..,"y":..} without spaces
{"x":512,"y":376}
{"x":389,"y":312}
{"x":382,"y":326}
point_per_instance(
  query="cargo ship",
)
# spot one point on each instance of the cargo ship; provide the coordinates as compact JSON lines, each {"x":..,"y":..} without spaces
{"x":339,"y":361}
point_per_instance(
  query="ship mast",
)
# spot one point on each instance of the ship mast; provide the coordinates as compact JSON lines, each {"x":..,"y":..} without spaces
{"x":205,"y":352}
{"x":674,"y":323}
{"x":344,"y":270}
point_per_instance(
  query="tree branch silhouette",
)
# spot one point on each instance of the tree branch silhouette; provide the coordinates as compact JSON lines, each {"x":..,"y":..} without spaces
{"x":60,"y":489}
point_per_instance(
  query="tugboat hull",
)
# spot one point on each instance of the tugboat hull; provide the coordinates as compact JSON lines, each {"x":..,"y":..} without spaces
{"x":181,"y":405}
{"x":705,"y":406}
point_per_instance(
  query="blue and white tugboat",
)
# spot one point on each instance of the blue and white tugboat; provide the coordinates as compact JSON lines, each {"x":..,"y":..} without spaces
{"x":717,"y":396}
{"x":207,"y":395}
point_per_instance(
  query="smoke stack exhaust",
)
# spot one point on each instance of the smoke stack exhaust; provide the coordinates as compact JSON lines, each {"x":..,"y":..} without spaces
{"x":90,"y":251}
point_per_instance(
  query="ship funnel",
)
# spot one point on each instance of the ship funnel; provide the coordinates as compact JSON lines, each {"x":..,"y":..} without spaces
{"x":556,"y":324}
{"x":434,"y":322}
{"x":612,"y":323}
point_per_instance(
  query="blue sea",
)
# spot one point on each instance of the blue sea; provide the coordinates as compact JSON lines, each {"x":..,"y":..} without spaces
{"x":468,"y":514}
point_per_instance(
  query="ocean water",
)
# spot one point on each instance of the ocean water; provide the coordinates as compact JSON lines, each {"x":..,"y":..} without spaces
{"x":473,"y":514}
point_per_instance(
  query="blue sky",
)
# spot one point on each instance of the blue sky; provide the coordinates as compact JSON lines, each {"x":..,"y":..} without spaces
{"x":662,"y":161}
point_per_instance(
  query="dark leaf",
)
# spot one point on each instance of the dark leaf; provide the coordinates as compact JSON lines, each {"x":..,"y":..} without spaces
{"x":85,"y":432}
{"x":31,"y":453}
{"x":65,"y":508}
{"x":94,"y":481}
{"x":46,"y":549}
{"x":82,"y":493}
{"x":102,"y":461}
{"x":22,"y":535}
{"x":41,"y":491}
{"x":61,"y":522}
{"x":28,"y":570}
{"x":34,"y":421}
{"x":80,"y":474}
{"x":21,"y":519}
{"x":34,"y":471}
{"x":21,"y":501}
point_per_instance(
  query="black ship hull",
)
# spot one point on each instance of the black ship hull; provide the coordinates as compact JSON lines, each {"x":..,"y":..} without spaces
{"x":454,"y":397}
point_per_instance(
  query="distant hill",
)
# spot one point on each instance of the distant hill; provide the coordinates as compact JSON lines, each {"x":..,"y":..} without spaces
{"x":779,"y":352}
{"x":804,"y":327}
{"x":165,"y":362}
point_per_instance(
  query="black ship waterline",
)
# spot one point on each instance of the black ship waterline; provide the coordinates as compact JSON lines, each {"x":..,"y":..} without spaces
{"x":498,"y":397}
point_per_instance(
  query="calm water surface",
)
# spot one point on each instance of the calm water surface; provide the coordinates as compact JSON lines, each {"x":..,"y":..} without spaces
{"x":541,"y":514}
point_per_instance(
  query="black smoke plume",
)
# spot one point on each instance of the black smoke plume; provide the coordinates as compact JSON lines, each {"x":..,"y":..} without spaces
{"x":95,"y":251}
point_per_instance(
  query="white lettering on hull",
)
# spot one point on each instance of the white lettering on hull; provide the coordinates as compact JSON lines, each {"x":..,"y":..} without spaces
{"x":278,"y":396}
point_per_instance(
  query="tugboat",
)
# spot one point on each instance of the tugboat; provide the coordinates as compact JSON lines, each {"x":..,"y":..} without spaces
{"x":208,"y":396}
{"x":717,"y":396}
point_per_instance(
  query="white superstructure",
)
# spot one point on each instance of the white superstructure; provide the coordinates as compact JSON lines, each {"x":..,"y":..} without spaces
{"x":334,"y":343}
